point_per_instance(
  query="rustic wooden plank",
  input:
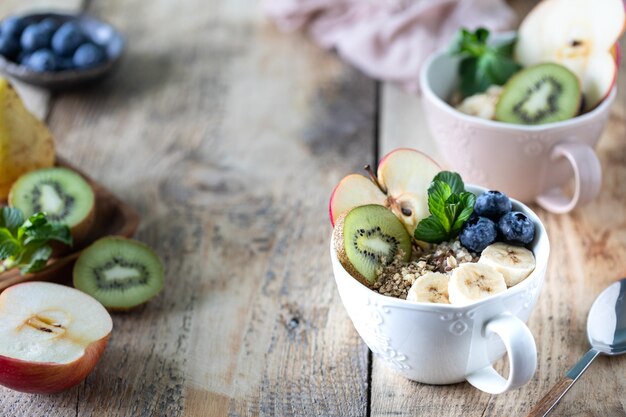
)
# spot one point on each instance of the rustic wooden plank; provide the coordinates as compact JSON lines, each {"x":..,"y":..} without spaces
{"x":228,"y":137}
{"x":587,"y":255}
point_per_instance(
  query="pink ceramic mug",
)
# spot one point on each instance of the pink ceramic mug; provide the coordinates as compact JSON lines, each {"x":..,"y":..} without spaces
{"x":529,"y":163}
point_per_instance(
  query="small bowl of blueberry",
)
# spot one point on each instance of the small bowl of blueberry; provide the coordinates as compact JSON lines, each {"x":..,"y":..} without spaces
{"x":57,"y":50}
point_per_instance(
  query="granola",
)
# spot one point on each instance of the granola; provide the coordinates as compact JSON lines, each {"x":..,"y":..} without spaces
{"x":396,"y":278}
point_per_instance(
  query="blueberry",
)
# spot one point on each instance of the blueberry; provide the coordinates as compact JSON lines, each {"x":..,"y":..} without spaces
{"x":67,"y":39}
{"x":89,"y":55}
{"x":12,"y":27}
{"x":65,"y":64}
{"x":492,"y":204}
{"x":516,"y":227}
{"x":35,"y":37}
{"x":50,"y":23}
{"x":42,"y":60}
{"x":9,"y":47}
{"x":23,"y":57}
{"x":478,"y":233}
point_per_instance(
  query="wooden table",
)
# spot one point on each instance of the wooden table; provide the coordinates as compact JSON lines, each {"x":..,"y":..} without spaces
{"x":228,"y":137}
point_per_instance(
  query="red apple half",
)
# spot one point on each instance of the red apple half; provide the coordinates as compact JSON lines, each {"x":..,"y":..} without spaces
{"x":51,"y":336}
{"x":401,"y":185}
{"x":579,"y":34}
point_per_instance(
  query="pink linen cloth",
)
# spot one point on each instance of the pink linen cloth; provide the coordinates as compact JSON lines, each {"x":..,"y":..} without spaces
{"x":388,"y":39}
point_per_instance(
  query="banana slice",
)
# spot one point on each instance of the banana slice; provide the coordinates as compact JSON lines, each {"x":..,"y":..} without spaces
{"x":515,"y":263}
{"x":471,"y":282}
{"x":432,"y":287}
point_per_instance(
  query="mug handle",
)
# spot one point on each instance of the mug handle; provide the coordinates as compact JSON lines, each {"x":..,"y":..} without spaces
{"x":587,"y":178}
{"x":522,"y":352}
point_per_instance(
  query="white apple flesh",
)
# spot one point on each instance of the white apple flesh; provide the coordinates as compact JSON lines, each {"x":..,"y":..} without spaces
{"x":51,"y":336}
{"x":579,"y":34}
{"x":401,"y":184}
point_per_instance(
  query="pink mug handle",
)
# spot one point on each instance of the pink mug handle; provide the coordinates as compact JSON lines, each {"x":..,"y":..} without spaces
{"x":587,"y":178}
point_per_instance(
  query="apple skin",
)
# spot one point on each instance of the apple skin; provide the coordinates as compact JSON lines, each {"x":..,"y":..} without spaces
{"x":617,"y":53}
{"x":401,"y":184}
{"x":47,"y":377}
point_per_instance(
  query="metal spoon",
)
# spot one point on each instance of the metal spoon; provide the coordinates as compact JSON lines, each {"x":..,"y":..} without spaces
{"x":606,"y":330}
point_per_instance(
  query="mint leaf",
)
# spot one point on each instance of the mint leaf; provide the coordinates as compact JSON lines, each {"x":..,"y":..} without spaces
{"x":450,"y":206}
{"x":9,"y":246}
{"x":430,"y":230}
{"x":37,"y":229}
{"x":37,"y":258}
{"x":11,"y":218}
{"x":24,"y":243}
{"x":438,"y":194}
{"x":482,"y":65}
{"x":467,"y":201}
{"x":472,"y":80}
{"x":453,"y":179}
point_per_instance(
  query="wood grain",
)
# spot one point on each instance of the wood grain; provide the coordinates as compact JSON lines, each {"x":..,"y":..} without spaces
{"x":551,"y":397}
{"x":227,"y":136}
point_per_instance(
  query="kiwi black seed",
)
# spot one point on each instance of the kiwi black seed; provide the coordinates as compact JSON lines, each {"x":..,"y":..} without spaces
{"x":120,"y":273}
{"x":62,"y":194}
{"x":372,"y":236}
{"x":543,"y":93}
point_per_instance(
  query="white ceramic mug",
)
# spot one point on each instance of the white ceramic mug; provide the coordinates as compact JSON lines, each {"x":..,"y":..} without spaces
{"x":445,"y":344}
{"x":530,"y":163}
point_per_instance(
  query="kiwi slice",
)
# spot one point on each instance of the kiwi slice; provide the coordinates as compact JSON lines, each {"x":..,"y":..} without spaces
{"x":543,"y":93}
{"x":368,"y":237}
{"x":120,"y":273}
{"x":62,"y":194}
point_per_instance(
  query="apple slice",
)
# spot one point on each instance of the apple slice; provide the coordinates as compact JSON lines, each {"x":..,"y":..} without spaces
{"x":352,"y":191}
{"x":579,"y":34}
{"x":401,"y":185}
{"x":51,"y":336}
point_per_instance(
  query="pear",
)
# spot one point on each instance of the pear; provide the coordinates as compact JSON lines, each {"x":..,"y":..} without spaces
{"x":26,"y":143}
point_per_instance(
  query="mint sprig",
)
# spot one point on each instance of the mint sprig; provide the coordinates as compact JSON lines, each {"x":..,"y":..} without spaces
{"x":24,"y":242}
{"x":450,"y":206}
{"x":481,"y":65}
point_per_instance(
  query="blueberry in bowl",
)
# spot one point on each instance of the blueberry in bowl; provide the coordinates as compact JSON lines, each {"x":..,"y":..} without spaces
{"x":57,"y":50}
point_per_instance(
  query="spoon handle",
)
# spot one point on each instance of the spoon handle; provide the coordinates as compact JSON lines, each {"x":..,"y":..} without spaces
{"x":551,"y":399}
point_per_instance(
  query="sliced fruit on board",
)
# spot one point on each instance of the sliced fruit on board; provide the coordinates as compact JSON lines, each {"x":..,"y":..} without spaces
{"x":579,"y":34}
{"x":25,"y":142}
{"x":120,"y":273}
{"x":543,"y":93}
{"x":61,"y":193}
{"x":51,"y":336}
{"x":401,"y":185}
{"x":368,"y":237}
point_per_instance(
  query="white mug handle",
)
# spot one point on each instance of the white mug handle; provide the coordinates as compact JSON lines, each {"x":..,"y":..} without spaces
{"x":522,"y":352}
{"x":587,"y":178}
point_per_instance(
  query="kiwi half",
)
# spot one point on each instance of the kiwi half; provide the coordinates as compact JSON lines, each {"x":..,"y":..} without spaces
{"x":120,"y":273}
{"x":543,"y":93}
{"x":62,"y":194}
{"x":368,"y":237}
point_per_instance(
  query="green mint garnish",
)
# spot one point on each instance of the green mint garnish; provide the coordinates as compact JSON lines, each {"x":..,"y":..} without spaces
{"x":481,"y":65}
{"x":450,"y":206}
{"x":24,"y":242}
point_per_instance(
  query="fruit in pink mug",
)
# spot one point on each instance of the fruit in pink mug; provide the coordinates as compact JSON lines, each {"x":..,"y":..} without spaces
{"x":51,"y":336}
{"x":401,"y":185}
{"x":579,"y":34}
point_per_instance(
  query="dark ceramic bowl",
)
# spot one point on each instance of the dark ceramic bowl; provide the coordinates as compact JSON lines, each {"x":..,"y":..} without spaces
{"x":100,"y":33}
